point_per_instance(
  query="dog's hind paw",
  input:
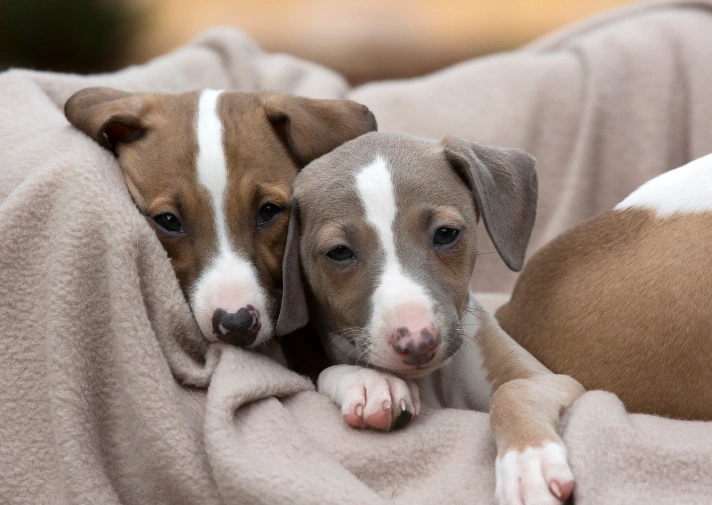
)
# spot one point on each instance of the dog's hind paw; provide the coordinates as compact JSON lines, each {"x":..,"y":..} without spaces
{"x":370,"y":398}
{"x":535,"y":476}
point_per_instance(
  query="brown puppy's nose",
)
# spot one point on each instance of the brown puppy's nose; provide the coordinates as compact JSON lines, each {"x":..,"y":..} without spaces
{"x":238,"y":328}
{"x":416,"y":348}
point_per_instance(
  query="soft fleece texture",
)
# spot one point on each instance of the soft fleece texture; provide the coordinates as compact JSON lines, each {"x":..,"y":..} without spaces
{"x":111,"y":395}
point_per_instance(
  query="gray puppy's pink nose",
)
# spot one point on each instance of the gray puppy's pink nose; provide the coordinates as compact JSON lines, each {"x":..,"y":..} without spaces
{"x":237,"y":328}
{"x":416,"y":347}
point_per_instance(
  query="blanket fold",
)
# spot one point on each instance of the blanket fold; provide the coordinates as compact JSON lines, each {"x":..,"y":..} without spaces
{"x":619,"y":458}
{"x":110,"y":393}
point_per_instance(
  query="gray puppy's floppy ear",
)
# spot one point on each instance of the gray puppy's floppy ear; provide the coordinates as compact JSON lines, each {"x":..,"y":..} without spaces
{"x":293,"y":312}
{"x":504,"y":185}
{"x":109,"y":116}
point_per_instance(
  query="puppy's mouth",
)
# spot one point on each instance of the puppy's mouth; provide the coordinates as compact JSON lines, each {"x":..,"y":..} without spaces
{"x":398,"y":366}
{"x":402,"y":364}
{"x":414,"y":372}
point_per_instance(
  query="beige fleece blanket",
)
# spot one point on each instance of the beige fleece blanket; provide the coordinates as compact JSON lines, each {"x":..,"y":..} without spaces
{"x":110,"y":395}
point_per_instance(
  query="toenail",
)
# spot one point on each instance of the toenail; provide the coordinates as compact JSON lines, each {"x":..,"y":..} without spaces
{"x":386,"y":405}
{"x":403,"y":419}
{"x":359,"y":410}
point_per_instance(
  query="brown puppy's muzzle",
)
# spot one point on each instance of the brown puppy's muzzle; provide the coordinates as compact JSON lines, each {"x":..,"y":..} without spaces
{"x":238,"y":328}
{"x":416,"y":348}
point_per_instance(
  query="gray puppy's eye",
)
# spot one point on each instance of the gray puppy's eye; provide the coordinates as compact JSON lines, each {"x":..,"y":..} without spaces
{"x":340,"y":253}
{"x":445,"y":236}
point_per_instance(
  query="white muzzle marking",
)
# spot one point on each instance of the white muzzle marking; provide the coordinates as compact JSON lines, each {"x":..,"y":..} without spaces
{"x":230,"y":281}
{"x":397,"y":300}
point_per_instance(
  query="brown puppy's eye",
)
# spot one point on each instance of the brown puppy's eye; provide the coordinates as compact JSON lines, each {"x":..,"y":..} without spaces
{"x":267,"y":213}
{"x":445,"y":236}
{"x":340,"y":253}
{"x":169,"y":223}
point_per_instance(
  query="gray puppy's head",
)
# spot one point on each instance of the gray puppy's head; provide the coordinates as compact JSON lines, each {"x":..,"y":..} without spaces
{"x":386,"y":228}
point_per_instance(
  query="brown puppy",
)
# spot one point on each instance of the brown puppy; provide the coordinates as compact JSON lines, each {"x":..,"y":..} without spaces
{"x":388,"y":246}
{"x":212,"y":171}
{"x":623,"y":302}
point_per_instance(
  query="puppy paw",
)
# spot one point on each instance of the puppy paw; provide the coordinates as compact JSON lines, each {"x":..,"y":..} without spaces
{"x":535,"y":476}
{"x":377,"y":400}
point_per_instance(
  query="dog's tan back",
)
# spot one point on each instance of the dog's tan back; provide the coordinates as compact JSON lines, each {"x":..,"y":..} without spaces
{"x":623,"y":303}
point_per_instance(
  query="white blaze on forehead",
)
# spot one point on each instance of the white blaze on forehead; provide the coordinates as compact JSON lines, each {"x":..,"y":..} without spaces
{"x":229,"y":281}
{"x":397,"y":299}
{"x":685,"y":190}
{"x":211,"y":164}
{"x":375,"y":189}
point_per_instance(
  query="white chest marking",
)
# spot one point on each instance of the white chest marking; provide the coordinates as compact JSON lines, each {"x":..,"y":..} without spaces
{"x":397,"y":296}
{"x":462,"y":383}
{"x":685,"y":190}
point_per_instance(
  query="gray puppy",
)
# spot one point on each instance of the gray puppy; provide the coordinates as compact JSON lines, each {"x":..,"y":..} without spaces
{"x":387,"y":247}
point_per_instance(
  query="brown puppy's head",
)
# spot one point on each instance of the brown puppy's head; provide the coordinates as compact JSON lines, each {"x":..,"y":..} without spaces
{"x":212,"y":172}
{"x":388,"y":242}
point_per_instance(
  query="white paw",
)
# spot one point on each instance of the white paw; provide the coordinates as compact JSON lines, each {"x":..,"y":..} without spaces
{"x":535,"y":476}
{"x":373,"y":399}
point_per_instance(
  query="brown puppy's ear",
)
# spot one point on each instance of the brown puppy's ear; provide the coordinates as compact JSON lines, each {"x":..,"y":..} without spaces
{"x":504,"y":185}
{"x":293,"y":312}
{"x":107,"y":115}
{"x":311,"y":128}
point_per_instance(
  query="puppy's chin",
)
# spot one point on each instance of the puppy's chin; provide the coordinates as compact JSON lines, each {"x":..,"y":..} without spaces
{"x":406,"y":371}
{"x":263,"y":337}
{"x":340,"y":349}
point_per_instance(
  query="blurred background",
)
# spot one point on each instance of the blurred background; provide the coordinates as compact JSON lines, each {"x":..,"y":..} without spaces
{"x":364,"y":40}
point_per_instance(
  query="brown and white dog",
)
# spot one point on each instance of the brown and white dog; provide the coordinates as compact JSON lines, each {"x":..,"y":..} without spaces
{"x":386,"y":226}
{"x":623,"y":302}
{"x":212,"y":171}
